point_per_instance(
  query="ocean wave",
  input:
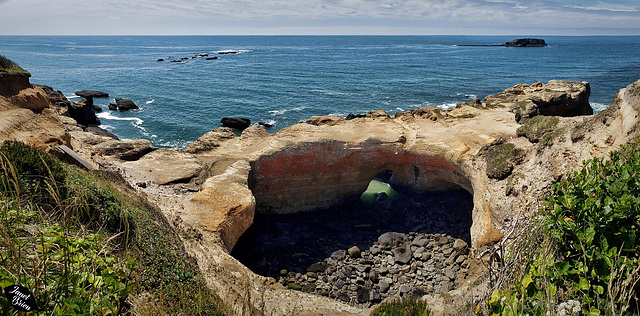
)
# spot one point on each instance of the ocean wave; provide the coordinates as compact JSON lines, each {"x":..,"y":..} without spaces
{"x":283,"y":111}
{"x":598,"y":107}
{"x":108,"y":116}
{"x":232,"y":51}
{"x":447,"y":106}
{"x":327,"y":92}
{"x":270,"y":122}
{"x":337,"y":114}
{"x":149,"y":102}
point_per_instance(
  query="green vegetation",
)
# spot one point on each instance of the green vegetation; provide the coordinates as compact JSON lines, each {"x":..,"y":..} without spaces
{"x":406,"y":307}
{"x":501,"y":159}
{"x":535,"y":128}
{"x":581,"y":257}
{"x":7,"y":66}
{"x":85,"y":244}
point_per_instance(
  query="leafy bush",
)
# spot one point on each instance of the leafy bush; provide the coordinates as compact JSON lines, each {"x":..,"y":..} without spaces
{"x":406,"y":307}
{"x":588,"y":263}
{"x":83,"y":242}
{"x":594,"y":218}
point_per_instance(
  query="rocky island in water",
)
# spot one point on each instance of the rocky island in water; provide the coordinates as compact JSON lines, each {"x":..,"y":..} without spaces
{"x":503,"y":152}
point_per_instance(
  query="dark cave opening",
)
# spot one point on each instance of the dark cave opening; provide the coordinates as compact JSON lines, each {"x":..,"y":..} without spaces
{"x":294,"y":242}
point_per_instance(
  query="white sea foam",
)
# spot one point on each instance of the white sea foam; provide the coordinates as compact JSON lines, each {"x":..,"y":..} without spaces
{"x":278,"y":112}
{"x":149,"y":102}
{"x":232,"y":51}
{"x":270,"y":122}
{"x":108,"y":116}
{"x":598,"y":107}
{"x":336,"y":114}
{"x":283,"y":111}
{"x":327,"y":92}
{"x":447,"y":106}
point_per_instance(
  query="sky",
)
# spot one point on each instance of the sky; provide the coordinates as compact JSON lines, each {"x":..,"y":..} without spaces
{"x":319,"y":17}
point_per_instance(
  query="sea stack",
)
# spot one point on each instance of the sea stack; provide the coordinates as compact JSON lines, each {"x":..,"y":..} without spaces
{"x":526,"y":42}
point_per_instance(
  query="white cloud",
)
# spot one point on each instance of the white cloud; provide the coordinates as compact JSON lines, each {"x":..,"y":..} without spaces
{"x":604,"y":7}
{"x":151,"y":15}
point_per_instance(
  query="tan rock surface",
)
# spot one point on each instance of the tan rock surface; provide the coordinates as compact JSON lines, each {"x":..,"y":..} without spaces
{"x":328,"y":160}
{"x":165,"y":166}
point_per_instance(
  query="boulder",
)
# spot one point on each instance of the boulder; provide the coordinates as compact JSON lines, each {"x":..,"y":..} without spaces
{"x":92,"y":94}
{"x":354,"y":252}
{"x":526,"y":42}
{"x":236,"y":122}
{"x":113,"y":107}
{"x":390,"y":239}
{"x":82,"y":111}
{"x":402,"y":254}
{"x":460,"y":246}
{"x":126,"y":104}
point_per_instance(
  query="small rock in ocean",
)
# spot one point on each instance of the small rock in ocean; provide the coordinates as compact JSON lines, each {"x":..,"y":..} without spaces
{"x":236,"y":122}
{"x":126,"y":104}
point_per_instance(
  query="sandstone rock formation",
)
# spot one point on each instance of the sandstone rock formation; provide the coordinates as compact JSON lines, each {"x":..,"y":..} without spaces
{"x":327,"y":161}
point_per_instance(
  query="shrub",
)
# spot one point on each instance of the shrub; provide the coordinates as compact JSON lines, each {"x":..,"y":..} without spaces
{"x":588,"y":262}
{"x":86,"y":250}
{"x":501,"y":159}
{"x":8,"y":66}
{"x":535,"y":128}
{"x":405,"y":307}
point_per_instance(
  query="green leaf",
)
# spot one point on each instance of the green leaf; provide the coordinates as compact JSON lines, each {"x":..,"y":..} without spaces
{"x":563,"y":267}
{"x":589,"y":235}
{"x":583,"y":284}
{"x":594,"y":311}
{"x":526,"y":280}
{"x":599,"y":289}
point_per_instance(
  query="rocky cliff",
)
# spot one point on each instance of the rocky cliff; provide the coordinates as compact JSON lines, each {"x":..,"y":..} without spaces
{"x":505,"y":150}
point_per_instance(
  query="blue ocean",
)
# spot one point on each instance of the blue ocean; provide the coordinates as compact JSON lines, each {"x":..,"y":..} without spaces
{"x":284,"y":79}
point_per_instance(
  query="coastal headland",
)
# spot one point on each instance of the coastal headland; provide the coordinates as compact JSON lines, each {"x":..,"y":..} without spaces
{"x":505,"y":150}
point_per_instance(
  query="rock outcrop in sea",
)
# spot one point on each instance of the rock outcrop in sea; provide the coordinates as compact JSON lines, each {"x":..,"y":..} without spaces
{"x":505,"y":150}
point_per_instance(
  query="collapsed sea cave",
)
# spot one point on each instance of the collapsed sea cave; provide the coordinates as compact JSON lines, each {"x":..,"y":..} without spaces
{"x":388,"y":240}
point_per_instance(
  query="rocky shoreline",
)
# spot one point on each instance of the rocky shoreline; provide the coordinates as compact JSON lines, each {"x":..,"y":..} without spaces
{"x":211,"y":191}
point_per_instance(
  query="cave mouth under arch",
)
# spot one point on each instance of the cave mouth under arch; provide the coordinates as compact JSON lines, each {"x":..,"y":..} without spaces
{"x":295,"y":241}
